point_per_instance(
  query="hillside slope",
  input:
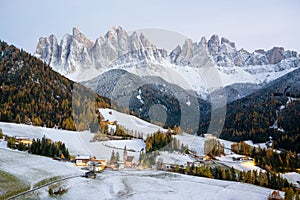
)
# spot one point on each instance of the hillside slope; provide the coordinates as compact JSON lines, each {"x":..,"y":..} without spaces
{"x":32,"y":93}
{"x":151,"y":98}
{"x":272,"y":111}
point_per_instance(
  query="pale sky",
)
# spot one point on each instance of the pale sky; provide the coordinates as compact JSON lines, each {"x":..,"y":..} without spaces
{"x":251,"y":24}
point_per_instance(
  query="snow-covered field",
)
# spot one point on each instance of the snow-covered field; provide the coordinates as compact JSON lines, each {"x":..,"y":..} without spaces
{"x":78,"y":143}
{"x":32,"y":168}
{"x":196,"y":143}
{"x":130,"y":122}
{"x":123,"y":184}
{"x":127,"y":184}
{"x":174,"y":158}
{"x":161,"y":185}
{"x":292,"y":177}
{"x":131,"y":145}
{"x":75,"y":141}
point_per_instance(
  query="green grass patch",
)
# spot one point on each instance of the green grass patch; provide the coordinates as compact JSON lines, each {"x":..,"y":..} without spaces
{"x":47,"y":180}
{"x":11,"y":185}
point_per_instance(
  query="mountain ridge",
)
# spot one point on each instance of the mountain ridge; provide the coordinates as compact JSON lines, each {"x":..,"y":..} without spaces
{"x":81,"y":59}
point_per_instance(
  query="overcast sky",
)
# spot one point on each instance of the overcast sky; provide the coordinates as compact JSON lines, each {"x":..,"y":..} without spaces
{"x":250,"y":24}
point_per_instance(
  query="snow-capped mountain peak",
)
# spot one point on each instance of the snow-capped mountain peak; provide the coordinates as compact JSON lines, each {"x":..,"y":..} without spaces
{"x":203,"y":43}
{"x":81,"y":59}
{"x":80,"y":37}
{"x":226,"y":41}
{"x":214,"y":44}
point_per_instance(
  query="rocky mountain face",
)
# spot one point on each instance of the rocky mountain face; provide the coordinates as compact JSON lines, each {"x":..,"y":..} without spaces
{"x":81,"y":59}
{"x":76,"y":53}
{"x":225,"y":54}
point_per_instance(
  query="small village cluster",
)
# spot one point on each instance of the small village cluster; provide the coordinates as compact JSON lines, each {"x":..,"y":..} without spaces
{"x":97,"y":165}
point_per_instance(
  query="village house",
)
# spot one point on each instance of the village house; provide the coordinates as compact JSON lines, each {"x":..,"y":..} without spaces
{"x":24,"y":140}
{"x":242,"y":158}
{"x":108,"y":118}
{"x":209,"y":136}
{"x":127,"y":162}
{"x":82,"y":160}
{"x":198,"y":163}
{"x":118,"y":165}
{"x":130,"y":162}
{"x":90,"y":162}
{"x":102,"y":161}
{"x":199,"y":157}
{"x":96,"y":166}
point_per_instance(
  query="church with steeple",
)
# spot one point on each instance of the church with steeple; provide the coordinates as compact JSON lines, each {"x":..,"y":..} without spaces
{"x":129,"y":161}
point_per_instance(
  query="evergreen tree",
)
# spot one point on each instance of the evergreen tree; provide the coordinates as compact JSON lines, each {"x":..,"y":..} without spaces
{"x":266,"y":179}
{"x":223,"y":175}
{"x":260,"y":178}
{"x":11,"y":142}
{"x":289,"y":194}
{"x":21,"y":147}
{"x":207,"y":172}
{"x":159,"y":140}
{"x":273,"y":182}
{"x":228,"y":174}
{"x":160,"y":164}
{"x":117,"y":156}
{"x":233,"y":174}
{"x":47,"y":147}
{"x":113,"y":157}
{"x":241,"y":176}
{"x":297,"y":195}
{"x":249,"y":177}
{"x":188,"y":169}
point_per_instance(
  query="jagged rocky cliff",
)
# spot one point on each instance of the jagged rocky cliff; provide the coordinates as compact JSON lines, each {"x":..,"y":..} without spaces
{"x":81,"y":59}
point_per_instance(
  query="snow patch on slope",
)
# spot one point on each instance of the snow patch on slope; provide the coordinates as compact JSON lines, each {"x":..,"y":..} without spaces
{"x":130,"y":122}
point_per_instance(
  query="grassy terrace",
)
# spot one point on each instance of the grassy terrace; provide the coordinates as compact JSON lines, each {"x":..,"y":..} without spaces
{"x":10,"y":185}
{"x":45,"y":181}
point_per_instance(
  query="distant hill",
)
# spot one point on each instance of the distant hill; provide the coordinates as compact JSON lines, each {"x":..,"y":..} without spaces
{"x":272,"y":111}
{"x":32,"y":93}
{"x":152,"y":99}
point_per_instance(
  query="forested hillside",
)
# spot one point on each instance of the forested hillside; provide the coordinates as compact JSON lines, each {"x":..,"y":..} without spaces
{"x":254,"y":116}
{"x":32,"y":93}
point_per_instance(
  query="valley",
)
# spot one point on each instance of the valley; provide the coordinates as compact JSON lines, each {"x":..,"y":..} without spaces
{"x":128,"y":183}
{"x":115,"y":112}
{"x":123,"y":184}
